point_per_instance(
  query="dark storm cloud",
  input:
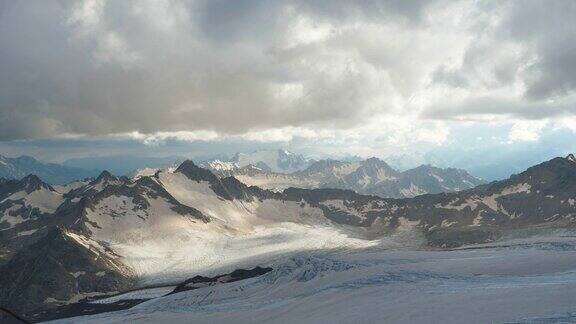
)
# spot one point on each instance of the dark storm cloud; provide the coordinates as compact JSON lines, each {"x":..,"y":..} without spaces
{"x":549,"y":28}
{"x":111,"y":67}
{"x":106,"y":67}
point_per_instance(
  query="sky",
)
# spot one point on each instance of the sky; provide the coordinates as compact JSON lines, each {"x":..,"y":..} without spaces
{"x":448,"y":79}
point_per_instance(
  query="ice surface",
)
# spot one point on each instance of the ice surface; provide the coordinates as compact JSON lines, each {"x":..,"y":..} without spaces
{"x":506,"y":282}
{"x":137,"y":294}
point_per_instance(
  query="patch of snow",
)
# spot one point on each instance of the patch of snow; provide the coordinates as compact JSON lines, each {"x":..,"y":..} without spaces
{"x":144,"y":172}
{"x":341,"y":205}
{"x":26,"y":233}
{"x":222,"y":166}
{"x":78,"y":274}
{"x":447,"y":223}
{"x":470,"y":203}
{"x":66,"y":188}
{"x":477,"y":220}
{"x":440,"y":179}
{"x":276,"y":181}
{"x":412,"y":191}
{"x":47,"y":201}
{"x":520,"y":188}
{"x":10,"y":219}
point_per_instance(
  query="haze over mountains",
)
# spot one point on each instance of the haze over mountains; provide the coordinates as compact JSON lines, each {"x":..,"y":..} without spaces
{"x":371,"y":176}
{"x":272,"y":169}
{"x":121,"y":164}
{"x":18,"y":168}
{"x":59,"y":245}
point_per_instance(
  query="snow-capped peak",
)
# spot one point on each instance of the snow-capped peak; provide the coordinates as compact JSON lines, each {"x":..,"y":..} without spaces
{"x":149,"y":172}
{"x":281,"y":161}
{"x":222,"y":166}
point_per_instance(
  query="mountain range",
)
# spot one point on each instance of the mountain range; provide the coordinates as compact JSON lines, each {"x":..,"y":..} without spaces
{"x":91,"y":239}
{"x":276,"y":161}
{"x":272,"y":169}
{"x":19,"y":167}
{"x":371,"y":177}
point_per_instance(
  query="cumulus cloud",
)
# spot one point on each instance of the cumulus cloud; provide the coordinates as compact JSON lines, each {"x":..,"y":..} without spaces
{"x":527,"y":131}
{"x":280,"y":70}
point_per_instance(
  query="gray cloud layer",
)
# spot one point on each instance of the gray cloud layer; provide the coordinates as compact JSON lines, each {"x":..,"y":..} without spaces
{"x":103,"y":67}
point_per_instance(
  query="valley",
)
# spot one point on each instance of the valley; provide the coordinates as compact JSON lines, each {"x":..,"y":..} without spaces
{"x":80,"y":243}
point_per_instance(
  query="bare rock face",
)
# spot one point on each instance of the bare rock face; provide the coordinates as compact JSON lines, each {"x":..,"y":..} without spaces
{"x":8,"y":317}
{"x":57,"y":269}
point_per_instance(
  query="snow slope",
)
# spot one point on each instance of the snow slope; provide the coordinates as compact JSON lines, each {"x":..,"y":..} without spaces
{"x":164,"y":247}
{"x":28,"y":203}
{"x":45,"y":200}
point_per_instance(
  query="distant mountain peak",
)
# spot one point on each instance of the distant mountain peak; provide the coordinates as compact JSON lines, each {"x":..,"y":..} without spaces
{"x":32,"y":182}
{"x":194,"y":172}
{"x":105,"y":176}
{"x":186,"y":165}
{"x":374,"y":161}
{"x":32,"y":179}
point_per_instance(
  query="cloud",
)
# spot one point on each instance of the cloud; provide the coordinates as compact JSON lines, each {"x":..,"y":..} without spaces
{"x":548,"y":31}
{"x":527,"y":131}
{"x":280,"y":70}
{"x":501,"y":107}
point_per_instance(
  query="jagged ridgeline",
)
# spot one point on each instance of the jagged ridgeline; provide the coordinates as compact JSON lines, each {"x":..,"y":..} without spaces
{"x":371,"y":177}
{"x":61,"y":244}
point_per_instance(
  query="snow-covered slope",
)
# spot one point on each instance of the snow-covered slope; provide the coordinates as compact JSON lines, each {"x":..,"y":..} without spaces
{"x":240,"y":232}
{"x":25,"y":200}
